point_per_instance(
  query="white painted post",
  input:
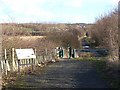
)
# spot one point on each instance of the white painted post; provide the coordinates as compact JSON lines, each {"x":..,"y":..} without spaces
{"x":5,"y":54}
{"x":21,"y":61}
{"x":6,"y":63}
{"x":8,"y":66}
{"x":2,"y":67}
{"x":36,"y":61}
{"x":25,"y":62}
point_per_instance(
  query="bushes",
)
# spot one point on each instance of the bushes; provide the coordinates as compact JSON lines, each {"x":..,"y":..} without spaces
{"x":64,"y":38}
{"x":105,"y":33}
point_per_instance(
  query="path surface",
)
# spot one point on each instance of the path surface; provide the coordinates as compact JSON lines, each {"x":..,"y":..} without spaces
{"x":65,"y":74}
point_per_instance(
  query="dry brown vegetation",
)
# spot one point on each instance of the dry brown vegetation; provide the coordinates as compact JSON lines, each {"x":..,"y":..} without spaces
{"x":105,"y":32}
{"x":45,"y":36}
{"x":66,"y":38}
{"x":67,"y":32}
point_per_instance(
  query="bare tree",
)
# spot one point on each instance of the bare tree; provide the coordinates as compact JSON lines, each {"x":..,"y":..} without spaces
{"x":105,"y":31}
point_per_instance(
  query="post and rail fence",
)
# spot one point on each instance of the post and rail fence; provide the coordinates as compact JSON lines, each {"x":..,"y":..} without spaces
{"x":15,"y":59}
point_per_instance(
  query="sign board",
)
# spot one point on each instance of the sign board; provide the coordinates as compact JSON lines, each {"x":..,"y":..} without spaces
{"x":25,"y":53}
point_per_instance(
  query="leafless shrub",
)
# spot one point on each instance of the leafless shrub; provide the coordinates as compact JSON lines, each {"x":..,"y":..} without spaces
{"x":105,"y":32}
{"x":65,"y":38}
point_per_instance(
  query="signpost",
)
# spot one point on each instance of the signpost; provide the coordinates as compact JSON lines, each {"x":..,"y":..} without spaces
{"x":26,"y":54}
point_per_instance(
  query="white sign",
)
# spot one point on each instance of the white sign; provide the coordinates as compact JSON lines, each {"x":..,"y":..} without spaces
{"x":25,"y":53}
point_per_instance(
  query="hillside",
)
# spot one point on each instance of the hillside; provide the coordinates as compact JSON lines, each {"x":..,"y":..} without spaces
{"x":38,"y":28}
{"x":41,"y":36}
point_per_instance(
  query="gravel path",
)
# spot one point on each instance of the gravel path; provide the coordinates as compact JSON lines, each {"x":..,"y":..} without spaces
{"x":65,"y":74}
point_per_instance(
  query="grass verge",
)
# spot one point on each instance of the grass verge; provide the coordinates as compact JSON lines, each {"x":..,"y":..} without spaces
{"x":108,"y":73}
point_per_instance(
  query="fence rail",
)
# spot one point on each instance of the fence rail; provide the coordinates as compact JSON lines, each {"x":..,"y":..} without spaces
{"x":10,"y":63}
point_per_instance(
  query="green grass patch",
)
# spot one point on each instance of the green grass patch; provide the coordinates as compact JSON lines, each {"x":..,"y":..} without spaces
{"x":107,"y":73}
{"x":92,"y":58}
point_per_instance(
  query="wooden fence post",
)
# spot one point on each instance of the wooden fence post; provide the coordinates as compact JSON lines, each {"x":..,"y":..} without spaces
{"x":7,"y":66}
{"x":13,"y":60}
{"x":18,"y":66}
{"x":5,"y":54}
{"x":36,"y":61}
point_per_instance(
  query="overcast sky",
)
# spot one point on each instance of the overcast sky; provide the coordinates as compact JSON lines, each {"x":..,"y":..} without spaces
{"x":54,"y":11}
